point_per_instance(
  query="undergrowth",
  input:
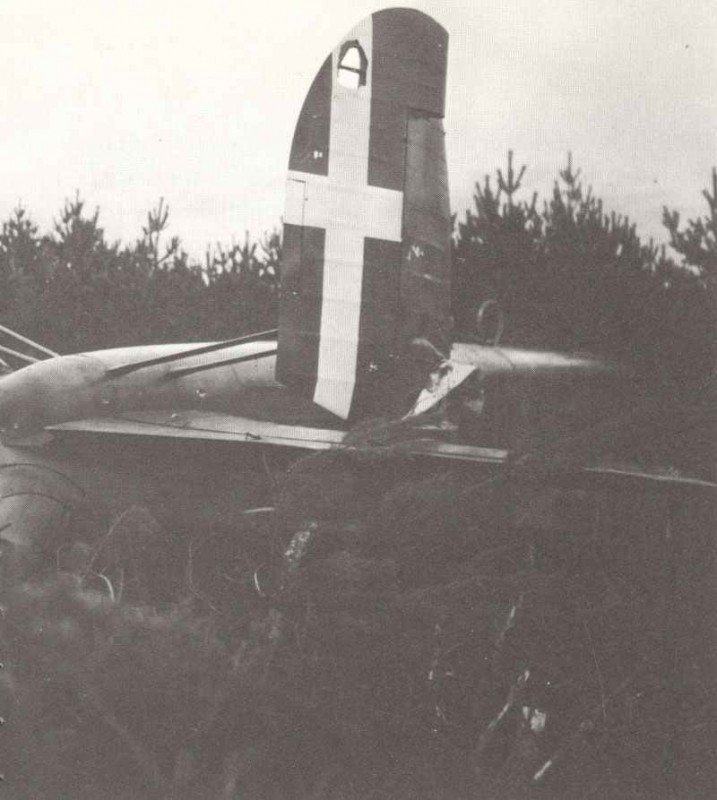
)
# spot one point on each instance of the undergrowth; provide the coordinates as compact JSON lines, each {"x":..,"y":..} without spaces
{"x":385,"y":633}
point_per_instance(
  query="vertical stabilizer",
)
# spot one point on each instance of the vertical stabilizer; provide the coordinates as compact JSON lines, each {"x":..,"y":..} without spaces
{"x":366,"y":252}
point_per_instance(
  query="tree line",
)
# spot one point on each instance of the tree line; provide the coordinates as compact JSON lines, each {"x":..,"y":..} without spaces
{"x":572,"y":276}
{"x":567,"y":273}
{"x":72,"y":289}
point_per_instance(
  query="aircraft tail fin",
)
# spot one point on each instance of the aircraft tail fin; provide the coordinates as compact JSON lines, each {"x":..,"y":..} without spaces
{"x":367,"y":228}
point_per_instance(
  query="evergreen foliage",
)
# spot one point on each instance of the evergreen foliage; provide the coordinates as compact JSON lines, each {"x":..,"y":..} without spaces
{"x":73,"y":290}
{"x":697,"y":244}
{"x":572,"y":276}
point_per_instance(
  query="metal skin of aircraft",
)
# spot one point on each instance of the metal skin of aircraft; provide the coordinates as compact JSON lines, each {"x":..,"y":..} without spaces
{"x":364,"y":332}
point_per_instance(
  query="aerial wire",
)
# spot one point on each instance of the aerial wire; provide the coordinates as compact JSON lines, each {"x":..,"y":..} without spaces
{"x":40,"y":348}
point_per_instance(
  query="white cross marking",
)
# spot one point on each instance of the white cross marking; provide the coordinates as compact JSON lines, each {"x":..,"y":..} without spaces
{"x":349,"y":210}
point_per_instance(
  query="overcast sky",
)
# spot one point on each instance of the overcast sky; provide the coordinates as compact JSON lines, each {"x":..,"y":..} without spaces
{"x":196,"y":101}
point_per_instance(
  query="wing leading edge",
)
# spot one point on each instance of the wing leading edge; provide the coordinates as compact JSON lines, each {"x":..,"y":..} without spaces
{"x":216,"y":427}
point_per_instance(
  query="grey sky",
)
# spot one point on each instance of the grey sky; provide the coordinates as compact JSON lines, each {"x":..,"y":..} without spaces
{"x":196,"y":101}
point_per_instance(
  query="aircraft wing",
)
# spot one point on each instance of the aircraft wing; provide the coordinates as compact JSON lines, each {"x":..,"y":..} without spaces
{"x":210,"y":426}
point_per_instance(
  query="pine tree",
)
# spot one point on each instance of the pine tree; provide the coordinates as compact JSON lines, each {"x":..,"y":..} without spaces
{"x":575,"y":277}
